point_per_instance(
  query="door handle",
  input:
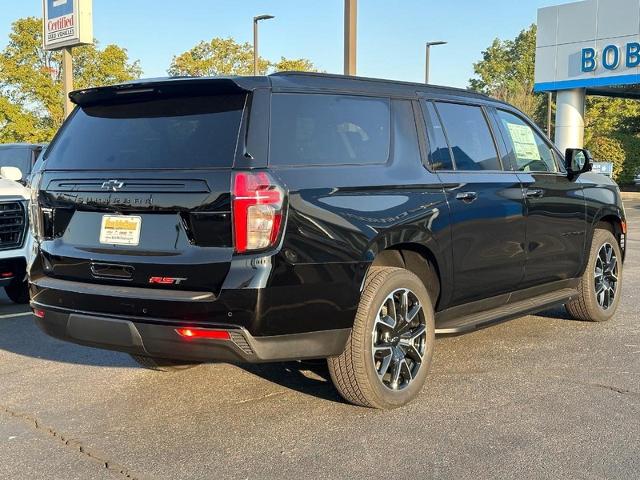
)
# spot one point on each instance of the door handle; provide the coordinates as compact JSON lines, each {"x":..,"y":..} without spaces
{"x":467,"y":196}
{"x":534,"y":193}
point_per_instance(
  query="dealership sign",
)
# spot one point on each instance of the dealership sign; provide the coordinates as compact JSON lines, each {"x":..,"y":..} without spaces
{"x":67,"y":23}
{"x":592,"y":44}
{"x":611,"y":57}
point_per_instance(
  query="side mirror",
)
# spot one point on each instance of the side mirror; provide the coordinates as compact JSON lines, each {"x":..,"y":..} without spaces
{"x":577,"y":161}
{"x":11,"y":173}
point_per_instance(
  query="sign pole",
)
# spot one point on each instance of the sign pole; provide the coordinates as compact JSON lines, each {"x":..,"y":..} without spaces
{"x":67,"y":79}
{"x":350,"y":38}
{"x":66,"y":24}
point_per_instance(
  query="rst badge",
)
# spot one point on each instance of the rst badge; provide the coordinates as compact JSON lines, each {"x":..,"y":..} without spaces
{"x":166,"y":280}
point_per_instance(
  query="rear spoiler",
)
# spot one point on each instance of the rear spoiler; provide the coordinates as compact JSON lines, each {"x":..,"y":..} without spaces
{"x":176,"y":86}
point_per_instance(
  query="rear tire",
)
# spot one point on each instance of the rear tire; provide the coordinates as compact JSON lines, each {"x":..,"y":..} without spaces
{"x":18,"y":291}
{"x":162,"y":364}
{"x":388,"y":354}
{"x":600,"y":286}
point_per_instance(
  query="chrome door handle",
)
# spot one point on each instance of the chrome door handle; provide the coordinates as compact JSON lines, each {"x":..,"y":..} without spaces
{"x":534,"y":193}
{"x":467,"y":196}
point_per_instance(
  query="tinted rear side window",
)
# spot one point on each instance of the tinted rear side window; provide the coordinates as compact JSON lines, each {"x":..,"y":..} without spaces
{"x":405,"y":135}
{"x":439,"y":154}
{"x":315,"y":129}
{"x":185,"y":132}
{"x":469,"y":137}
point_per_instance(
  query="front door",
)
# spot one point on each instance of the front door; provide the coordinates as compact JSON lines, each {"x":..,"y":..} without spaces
{"x":555,"y":206}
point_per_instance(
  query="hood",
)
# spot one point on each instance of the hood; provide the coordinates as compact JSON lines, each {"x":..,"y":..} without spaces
{"x":9,"y":188}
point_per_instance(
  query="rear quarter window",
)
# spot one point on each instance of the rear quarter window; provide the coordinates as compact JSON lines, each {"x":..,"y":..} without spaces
{"x":318,"y":129}
{"x":178,"y":132}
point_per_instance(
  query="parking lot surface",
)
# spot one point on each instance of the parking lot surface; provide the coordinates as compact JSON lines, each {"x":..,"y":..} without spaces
{"x":541,"y":396}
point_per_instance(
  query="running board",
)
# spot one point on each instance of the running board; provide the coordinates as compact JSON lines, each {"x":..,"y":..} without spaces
{"x":480,"y":319}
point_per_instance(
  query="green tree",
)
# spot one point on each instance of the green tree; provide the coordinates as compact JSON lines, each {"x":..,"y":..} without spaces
{"x":605,"y":116}
{"x":225,"y":56}
{"x":31,"y":93}
{"x":294,"y":65}
{"x":506,"y":72}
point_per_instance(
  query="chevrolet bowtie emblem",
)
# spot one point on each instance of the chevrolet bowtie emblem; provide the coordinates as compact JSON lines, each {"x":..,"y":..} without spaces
{"x":112,"y":185}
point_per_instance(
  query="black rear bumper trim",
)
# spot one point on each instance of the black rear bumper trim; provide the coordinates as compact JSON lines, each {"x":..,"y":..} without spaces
{"x":157,"y":340}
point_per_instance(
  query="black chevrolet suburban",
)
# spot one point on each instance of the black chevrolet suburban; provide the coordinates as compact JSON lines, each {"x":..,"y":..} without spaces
{"x":304,"y":216}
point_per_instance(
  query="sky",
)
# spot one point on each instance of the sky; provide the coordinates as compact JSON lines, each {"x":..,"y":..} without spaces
{"x":391,"y":33}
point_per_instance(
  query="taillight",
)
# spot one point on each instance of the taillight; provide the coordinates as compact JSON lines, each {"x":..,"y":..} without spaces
{"x":257,"y":211}
{"x":35,"y":214}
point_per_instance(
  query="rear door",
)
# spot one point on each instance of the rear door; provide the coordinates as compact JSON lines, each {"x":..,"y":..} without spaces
{"x":137,"y":192}
{"x":485,"y":201}
{"x":556,"y":211}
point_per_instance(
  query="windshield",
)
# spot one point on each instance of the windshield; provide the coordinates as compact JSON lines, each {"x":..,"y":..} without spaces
{"x":178,"y":132}
{"x":16,"y":157}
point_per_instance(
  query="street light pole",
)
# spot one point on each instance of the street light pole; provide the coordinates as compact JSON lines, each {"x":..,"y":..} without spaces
{"x":427,"y":58}
{"x":255,"y":40}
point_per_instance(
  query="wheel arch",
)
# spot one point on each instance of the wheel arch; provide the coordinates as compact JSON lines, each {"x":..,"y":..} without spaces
{"x":609,"y":217}
{"x":418,"y":259}
{"x":612,"y":219}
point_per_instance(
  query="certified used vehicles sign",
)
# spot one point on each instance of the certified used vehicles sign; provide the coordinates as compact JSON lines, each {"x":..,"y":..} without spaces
{"x":120,"y":230}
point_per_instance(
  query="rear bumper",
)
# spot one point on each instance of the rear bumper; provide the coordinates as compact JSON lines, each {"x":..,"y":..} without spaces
{"x":297,"y":299}
{"x":162,"y":340}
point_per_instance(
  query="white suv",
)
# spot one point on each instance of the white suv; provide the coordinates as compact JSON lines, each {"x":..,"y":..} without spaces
{"x":16,"y":163}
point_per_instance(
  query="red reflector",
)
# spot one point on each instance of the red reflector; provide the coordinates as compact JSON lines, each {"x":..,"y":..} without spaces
{"x":202,"y":333}
{"x":6,"y":274}
{"x":624,"y":227}
{"x":38,"y":313}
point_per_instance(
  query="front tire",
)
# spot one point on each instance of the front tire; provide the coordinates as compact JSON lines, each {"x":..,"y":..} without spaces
{"x":388,"y":353}
{"x":600,"y":286}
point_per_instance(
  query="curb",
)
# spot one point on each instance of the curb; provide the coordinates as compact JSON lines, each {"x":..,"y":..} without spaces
{"x":630,"y":195}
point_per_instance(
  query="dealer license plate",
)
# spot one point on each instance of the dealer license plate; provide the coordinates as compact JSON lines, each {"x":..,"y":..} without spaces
{"x":120,"y":230}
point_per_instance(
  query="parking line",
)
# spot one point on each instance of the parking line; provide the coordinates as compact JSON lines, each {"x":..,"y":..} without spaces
{"x":19,"y":314}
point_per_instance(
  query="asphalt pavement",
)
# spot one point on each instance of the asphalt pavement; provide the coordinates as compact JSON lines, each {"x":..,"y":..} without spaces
{"x":537,"y":397}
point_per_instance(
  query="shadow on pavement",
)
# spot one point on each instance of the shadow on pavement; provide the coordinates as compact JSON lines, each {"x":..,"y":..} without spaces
{"x":310,"y":377}
{"x":21,"y":336}
{"x":558,"y":313}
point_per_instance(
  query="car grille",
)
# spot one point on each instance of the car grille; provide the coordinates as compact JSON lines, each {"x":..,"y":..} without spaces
{"x":12,"y":225}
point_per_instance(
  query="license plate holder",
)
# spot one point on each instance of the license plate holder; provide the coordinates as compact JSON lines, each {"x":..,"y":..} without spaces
{"x":120,"y":230}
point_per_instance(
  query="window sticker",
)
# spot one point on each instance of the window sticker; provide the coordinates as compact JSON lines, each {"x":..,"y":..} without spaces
{"x":524,"y":142}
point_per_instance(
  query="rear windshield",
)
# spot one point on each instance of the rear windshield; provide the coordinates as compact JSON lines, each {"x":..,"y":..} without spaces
{"x":180,"y":132}
{"x":16,"y":157}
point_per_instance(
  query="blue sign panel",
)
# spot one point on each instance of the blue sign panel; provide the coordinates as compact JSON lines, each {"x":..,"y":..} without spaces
{"x":58,"y":8}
